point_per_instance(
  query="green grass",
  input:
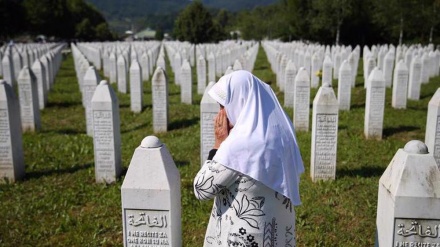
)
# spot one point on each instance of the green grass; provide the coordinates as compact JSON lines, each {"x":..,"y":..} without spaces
{"x":59,"y":204}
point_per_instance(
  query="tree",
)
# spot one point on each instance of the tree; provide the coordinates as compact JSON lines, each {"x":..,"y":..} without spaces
{"x":195,"y":24}
{"x":12,"y":14}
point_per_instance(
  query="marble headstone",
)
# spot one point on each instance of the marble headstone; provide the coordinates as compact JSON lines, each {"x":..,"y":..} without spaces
{"x":91,"y":80}
{"x":375,"y":105}
{"x":28,"y":98}
{"x":400,"y":86}
{"x":201,"y":74}
{"x":122,"y":74}
{"x":159,"y":88}
{"x":150,"y":195}
{"x":186,"y":83}
{"x":301,"y":102}
{"x":409,"y":199}
{"x":209,"y":109}
{"x":106,"y":134}
{"x":136,"y":87}
{"x":12,"y":165}
{"x":432,"y":134}
{"x":40,"y":74}
{"x":289,"y":91}
{"x":324,"y":134}
{"x":344,"y":86}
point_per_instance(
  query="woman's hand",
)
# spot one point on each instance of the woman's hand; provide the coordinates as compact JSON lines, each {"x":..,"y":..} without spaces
{"x":221,"y":127}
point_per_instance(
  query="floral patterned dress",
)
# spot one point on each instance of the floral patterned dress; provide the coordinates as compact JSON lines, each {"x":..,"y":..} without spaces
{"x":245,"y":212}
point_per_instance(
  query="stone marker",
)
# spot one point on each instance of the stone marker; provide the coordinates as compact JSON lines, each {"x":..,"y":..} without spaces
{"x":40,"y":74}
{"x":301,"y":102}
{"x":432,"y":136}
{"x":211,"y":67}
{"x":388,"y":66}
{"x":113,"y":68}
{"x":8,"y":69}
{"x":136,"y":88}
{"x":159,"y":90}
{"x":185,"y":83}
{"x":344,"y":86}
{"x":368,"y":68}
{"x":150,"y":195}
{"x":201,"y":74}
{"x":209,"y":109}
{"x":237,"y":65}
{"x":409,"y":199}
{"x":106,"y":134}
{"x":327,"y":68}
{"x":324,"y":134}
{"x":316,"y":66}
{"x":11,"y":145}
{"x":122,"y":74}
{"x":28,"y":98}
{"x":91,"y":80}
{"x":415,"y":79}
{"x":145,"y":66}
{"x":229,"y":70}
{"x":289,"y":92}
{"x":375,"y":105}
{"x":400,"y":86}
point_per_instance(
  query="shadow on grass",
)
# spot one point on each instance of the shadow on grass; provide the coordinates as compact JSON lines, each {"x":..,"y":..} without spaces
{"x":135,"y":128}
{"x":365,"y":172}
{"x":64,"y":131}
{"x":181,"y":163}
{"x":180,"y":124}
{"x":63,"y":104}
{"x":387,"y":132}
{"x":355,"y":106}
{"x":38,"y":174}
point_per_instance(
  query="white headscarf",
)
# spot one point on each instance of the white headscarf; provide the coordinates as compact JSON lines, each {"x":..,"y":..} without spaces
{"x":262,"y":144}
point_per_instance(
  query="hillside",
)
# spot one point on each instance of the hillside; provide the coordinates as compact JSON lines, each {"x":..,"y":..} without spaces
{"x":138,"y":14}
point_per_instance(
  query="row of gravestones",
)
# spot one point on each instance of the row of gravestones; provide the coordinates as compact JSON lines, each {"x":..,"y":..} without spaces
{"x":102,"y":114}
{"x":407,"y":210}
{"x":23,"y":114}
{"x":326,"y":106}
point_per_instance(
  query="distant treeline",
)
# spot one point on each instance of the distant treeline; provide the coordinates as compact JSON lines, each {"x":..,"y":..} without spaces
{"x":61,"y":19}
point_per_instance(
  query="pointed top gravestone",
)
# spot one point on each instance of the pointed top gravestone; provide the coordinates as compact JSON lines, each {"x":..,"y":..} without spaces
{"x":301,"y":104}
{"x":28,"y":98}
{"x":151,"y":200}
{"x":91,"y":80}
{"x":136,"y":87}
{"x":344,"y":86}
{"x":40,"y":74}
{"x":432,"y":134}
{"x":400,"y":86}
{"x":159,"y":88}
{"x":12,"y":165}
{"x":106,"y":134}
{"x":375,"y":105}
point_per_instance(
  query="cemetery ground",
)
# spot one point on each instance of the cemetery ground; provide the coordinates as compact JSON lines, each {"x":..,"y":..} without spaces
{"x":59,"y":204}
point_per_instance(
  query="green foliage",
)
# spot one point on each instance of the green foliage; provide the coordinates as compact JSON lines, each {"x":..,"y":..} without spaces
{"x":62,"y":19}
{"x":196,"y":25}
{"x":12,"y":14}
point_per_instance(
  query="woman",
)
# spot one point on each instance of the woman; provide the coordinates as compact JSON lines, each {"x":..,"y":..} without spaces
{"x":253,"y":171}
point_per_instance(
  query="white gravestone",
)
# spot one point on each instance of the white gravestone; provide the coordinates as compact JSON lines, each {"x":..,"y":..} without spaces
{"x":432,"y":136}
{"x":159,"y":90}
{"x":185,"y":83}
{"x":91,"y":80}
{"x":415,"y":79}
{"x":209,"y":109}
{"x":229,"y":70}
{"x":113,"y":68}
{"x":136,"y":87}
{"x":316,"y":66}
{"x":324,"y":134}
{"x":28,"y":98}
{"x":8,"y":69}
{"x":289,"y":92}
{"x":201,"y":74}
{"x":237,"y":65}
{"x":400,"y":86}
{"x":327,"y":68}
{"x":375,"y":105}
{"x":161,"y":62}
{"x":150,"y":195}
{"x":301,"y":102}
{"x":122,"y":74}
{"x":368,"y":68}
{"x":145,"y":67}
{"x":409,"y":199}
{"x":40,"y":74}
{"x":106,"y":134}
{"x":12,"y":165}
{"x":388,"y":68}
{"x":344,"y":86}
{"x":211,"y":67}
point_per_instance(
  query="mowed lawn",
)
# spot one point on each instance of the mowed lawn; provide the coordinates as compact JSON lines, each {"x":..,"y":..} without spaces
{"x":59,"y":204}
